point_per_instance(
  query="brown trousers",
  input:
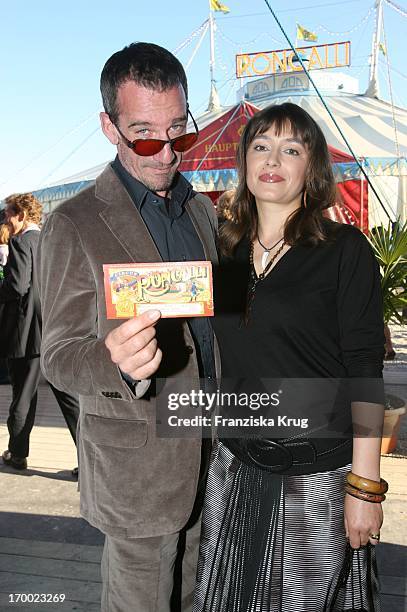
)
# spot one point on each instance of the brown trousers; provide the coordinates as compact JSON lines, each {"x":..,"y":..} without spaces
{"x":138,"y":574}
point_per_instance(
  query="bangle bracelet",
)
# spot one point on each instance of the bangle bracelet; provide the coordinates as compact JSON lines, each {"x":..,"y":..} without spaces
{"x":367,"y":485}
{"x":374,"y":498}
{"x":367,"y":497}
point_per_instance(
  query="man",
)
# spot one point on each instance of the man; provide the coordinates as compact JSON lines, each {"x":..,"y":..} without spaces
{"x":138,"y":489}
{"x":20,"y":335}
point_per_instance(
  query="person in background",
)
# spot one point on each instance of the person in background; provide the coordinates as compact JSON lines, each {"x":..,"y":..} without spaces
{"x":143,"y":491}
{"x":4,"y":238}
{"x":224,"y":206}
{"x":21,"y":330}
{"x":299,"y":317}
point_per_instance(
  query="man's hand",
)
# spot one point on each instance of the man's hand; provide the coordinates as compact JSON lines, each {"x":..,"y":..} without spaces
{"x":133,"y":346}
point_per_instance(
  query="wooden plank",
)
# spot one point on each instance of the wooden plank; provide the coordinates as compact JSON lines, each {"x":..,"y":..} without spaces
{"x":391,"y":559}
{"x":51,"y":550}
{"x":393,"y":585}
{"x":68,"y":529}
{"x":75,"y":590}
{"x":66,"y":606}
{"x":393,"y":603}
{"x":55,"y":568}
{"x":394,"y":470}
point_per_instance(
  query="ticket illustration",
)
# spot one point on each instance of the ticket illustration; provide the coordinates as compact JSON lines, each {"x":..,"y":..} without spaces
{"x":177,"y":289}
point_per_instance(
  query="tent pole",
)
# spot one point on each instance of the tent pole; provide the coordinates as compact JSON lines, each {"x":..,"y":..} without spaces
{"x":212,"y":44}
{"x":373,"y":88}
{"x":214,"y":102}
{"x":328,"y":110}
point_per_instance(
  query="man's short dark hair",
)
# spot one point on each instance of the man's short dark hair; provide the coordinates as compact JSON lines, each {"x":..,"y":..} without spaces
{"x":146,"y":64}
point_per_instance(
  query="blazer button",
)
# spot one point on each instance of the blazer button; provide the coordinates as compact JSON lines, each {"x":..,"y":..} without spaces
{"x":190,"y":349}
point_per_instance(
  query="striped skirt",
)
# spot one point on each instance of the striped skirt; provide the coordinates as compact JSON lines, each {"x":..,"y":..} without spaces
{"x":270,"y":543}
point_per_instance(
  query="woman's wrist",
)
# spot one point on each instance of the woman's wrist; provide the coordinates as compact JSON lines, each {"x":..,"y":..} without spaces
{"x":366,"y":489}
{"x":367,"y":472}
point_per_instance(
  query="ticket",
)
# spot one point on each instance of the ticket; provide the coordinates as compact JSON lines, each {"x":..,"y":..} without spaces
{"x":177,"y":289}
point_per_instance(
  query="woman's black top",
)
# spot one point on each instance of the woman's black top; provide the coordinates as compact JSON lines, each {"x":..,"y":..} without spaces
{"x":316,"y":315}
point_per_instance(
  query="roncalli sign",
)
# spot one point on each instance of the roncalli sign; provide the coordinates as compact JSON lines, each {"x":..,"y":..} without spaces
{"x":317,"y":57}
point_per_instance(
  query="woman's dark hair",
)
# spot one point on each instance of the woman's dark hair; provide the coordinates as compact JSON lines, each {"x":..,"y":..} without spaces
{"x":146,"y":64}
{"x":305,"y":225}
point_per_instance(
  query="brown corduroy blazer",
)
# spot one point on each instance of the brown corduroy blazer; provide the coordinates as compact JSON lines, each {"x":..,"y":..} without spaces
{"x":132,"y":483}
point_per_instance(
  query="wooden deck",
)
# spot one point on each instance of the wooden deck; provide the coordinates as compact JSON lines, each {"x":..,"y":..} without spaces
{"x":45,"y":547}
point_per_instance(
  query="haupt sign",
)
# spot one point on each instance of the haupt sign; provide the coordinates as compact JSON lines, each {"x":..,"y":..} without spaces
{"x":317,"y":57}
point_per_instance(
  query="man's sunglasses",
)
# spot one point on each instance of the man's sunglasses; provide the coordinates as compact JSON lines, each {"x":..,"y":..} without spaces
{"x":151,"y":146}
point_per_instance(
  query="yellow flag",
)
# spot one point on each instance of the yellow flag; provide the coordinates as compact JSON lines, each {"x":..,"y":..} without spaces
{"x":218,"y":6}
{"x":382,"y":48}
{"x":303,"y":34}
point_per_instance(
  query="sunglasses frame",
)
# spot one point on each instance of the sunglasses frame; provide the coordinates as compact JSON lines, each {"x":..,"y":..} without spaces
{"x":132,"y":144}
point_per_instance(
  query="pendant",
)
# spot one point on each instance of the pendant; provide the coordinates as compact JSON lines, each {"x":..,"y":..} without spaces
{"x":264,"y":259}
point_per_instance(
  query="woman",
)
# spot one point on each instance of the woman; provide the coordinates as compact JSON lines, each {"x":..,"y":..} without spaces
{"x":300,"y":309}
{"x":21,"y":330}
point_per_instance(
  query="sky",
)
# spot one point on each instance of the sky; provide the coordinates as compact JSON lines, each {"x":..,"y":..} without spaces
{"x":52,"y":53}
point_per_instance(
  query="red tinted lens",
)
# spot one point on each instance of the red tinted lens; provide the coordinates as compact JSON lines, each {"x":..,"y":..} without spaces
{"x":185,"y":142}
{"x":150,"y":146}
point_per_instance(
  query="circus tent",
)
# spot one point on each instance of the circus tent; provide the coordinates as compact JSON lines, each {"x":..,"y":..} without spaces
{"x":375,"y":130}
{"x":210,"y":166}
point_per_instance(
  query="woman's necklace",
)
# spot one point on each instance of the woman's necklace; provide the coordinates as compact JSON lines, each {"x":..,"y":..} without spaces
{"x":267,"y":250}
{"x":254,"y":279}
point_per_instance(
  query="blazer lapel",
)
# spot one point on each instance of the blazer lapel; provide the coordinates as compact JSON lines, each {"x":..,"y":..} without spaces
{"x":123,"y":218}
{"x":126,"y":223}
{"x":201,"y":222}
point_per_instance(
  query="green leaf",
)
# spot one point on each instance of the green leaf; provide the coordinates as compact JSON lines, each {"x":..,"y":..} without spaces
{"x":390,"y":248}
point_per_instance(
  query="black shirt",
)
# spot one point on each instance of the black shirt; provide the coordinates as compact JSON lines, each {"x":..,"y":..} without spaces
{"x":316,"y":315}
{"x":175,"y":237}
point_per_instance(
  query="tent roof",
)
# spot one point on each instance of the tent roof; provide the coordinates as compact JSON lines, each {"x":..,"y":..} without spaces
{"x":366,"y":122}
{"x":211,"y":164}
{"x":219,"y":136}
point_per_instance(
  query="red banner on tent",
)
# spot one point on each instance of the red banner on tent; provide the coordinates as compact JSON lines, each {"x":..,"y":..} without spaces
{"x":218,"y":141}
{"x":352,"y":205}
{"x":216,"y":150}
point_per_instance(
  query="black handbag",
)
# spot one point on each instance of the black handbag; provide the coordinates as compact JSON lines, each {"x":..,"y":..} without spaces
{"x":355,"y":587}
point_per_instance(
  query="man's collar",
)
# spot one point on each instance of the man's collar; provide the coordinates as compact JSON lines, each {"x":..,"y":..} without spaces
{"x":180,"y":191}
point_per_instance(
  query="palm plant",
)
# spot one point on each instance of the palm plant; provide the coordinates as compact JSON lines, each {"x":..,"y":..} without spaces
{"x":390,"y":248}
